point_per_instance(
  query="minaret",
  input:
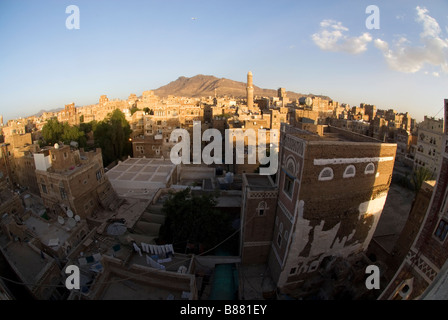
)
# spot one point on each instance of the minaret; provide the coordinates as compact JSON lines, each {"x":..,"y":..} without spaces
{"x":250,"y":91}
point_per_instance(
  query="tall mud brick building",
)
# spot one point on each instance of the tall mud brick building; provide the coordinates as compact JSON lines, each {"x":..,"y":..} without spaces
{"x":331,"y":192}
{"x":425,"y":264}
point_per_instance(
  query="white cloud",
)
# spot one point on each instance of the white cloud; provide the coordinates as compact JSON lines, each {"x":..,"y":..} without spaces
{"x":332,"y":37}
{"x":430,"y":26}
{"x":409,"y":59}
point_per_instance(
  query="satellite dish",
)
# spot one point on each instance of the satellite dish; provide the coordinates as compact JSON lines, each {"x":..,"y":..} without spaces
{"x":71,"y":222}
{"x":61,"y":220}
{"x":77,"y":218}
{"x":69,"y":213}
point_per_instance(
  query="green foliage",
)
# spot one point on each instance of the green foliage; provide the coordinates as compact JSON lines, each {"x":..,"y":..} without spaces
{"x":133,"y":110}
{"x":88,"y":127}
{"x":112,"y":136}
{"x":419,"y":176}
{"x":194,"y":219}
{"x":148,"y":111}
{"x":54,"y":131}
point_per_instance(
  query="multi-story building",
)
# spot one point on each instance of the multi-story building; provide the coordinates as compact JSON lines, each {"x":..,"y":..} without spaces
{"x":14,"y":127}
{"x":429,"y":250}
{"x":405,"y":141}
{"x":315,"y":221}
{"x":258,"y":209}
{"x":429,"y":145}
{"x":73,"y":179}
{"x":69,"y":114}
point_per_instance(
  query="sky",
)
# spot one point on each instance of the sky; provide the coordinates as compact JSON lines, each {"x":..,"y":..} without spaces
{"x":395,"y":57}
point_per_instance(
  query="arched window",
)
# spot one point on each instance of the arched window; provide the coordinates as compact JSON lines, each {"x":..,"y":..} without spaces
{"x":370,"y":169}
{"x":326,"y":174}
{"x":350,"y":171}
{"x":290,"y":166}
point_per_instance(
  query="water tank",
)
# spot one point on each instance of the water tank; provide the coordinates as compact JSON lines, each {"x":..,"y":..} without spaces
{"x":229,"y":177}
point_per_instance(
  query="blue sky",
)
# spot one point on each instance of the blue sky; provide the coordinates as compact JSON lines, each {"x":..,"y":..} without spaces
{"x":320,"y":47}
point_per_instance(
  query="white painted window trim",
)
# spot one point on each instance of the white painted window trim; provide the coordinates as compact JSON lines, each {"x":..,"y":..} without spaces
{"x":370,"y":171}
{"x":321,"y":178}
{"x":349,"y":175}
{"x":293,"y":187}
{"x":437,"y":226}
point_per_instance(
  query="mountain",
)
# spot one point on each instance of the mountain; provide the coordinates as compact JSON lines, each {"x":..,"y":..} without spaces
{"x":204,"y":85}
{"x":42,"y":112}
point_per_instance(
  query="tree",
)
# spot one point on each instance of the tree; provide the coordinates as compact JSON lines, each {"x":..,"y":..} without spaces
{"x":88,"y":127}
{"x":148,"y":111}
{"x":112,"y":136}
{"x":419,"y":176}
{"x":194,"y":219}
{"x":52,"y":131}
{"x":134,"y":109}
{"x":73,"y":133}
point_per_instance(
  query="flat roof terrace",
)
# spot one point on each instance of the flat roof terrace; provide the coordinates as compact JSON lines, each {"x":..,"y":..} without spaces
{"x":141,"y":173}
{"x":337,"y":134}
{"x":131,"y":289}
{"x":27,"y":262}
{"x":259,"y":182}
{"x":47,"y":231}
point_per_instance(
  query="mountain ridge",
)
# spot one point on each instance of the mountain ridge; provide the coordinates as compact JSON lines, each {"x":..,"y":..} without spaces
{"x":205,"y":85}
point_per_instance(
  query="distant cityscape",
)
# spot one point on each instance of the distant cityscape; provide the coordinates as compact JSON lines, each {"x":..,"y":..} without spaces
{"x":94,"y":187}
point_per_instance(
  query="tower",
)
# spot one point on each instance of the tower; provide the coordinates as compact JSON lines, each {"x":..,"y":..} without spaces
{"x":250,"y":90}
{"x":281,"y":92}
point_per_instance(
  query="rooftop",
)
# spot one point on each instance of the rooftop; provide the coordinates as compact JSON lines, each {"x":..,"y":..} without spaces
{"x":48,"y":231}
{"x":140,"y":174}
{"x":257,"y":181}
{"x":131,"y":210}
{"x":27,"y":261}
{"x":120,"y":289}
{"x":338,"y":134}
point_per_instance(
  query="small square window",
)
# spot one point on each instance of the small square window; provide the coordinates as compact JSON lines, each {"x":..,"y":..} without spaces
{"x":289,"y":185}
